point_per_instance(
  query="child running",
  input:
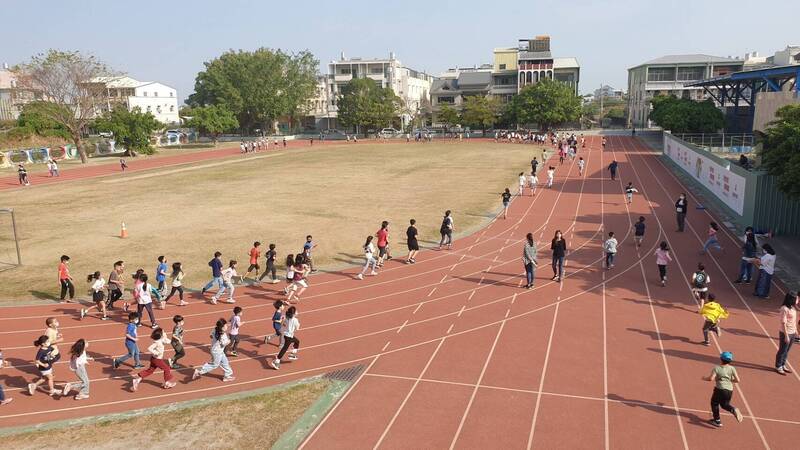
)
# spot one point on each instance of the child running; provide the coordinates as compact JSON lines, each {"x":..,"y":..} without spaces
{"x":638,"y":231}
{"x":255,"y":253}
{"x":131,"y":338}
{"x":177,"y":283}
{"x":219,"y":341}
{"x":551,"y":173}
{"x":629,"y":190}
{"x":292,"y":325}
{"x":369,"y":256}
{"x":227,"y":283}
{"x":521,"y":184}
{"x":177,"y":341}
{"x":45,"y":358}
{"x":700,"y":280}
{"x":506,"y":197}
{"x":711,"y":240}
{"x":236,"y":323}
{"x":411,"y":242}
{"x":662,"y":259}
{"x":157,"y":361}
{"x":122,"y":164}
{"x":723,"y":376}
{"x":277,"y":319}
{"x":65,"y":280}
{"x":270,"y":256}
{"x":289,"y":273}
{"x":299,"y":283}
{"x":532,"y":182}
{"x":143,"y":293}
{"x":77,"y":363}
{"x":610,"y":247}
{"x":98,"y":295}
{"x":161,"y":277}
{"x":581,"y":165}
{"x":712,"y":312}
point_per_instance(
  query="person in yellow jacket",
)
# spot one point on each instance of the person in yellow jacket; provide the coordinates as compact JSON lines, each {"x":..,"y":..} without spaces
{"x":713,"y":312}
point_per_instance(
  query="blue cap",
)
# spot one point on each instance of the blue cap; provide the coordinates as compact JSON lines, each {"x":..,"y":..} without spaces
{"x":726,"y":356}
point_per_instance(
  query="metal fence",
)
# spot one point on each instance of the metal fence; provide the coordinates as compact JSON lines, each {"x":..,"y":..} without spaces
{"x":720,"y":142}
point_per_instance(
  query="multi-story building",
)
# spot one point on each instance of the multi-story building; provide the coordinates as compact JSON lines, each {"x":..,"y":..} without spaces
{"x":149,"y":96}
{"x":668,"y":75}
{"x":412,"y":86}
{"x":12,"y":98}
{"x":607,"y":91}
{"x":513,"y":68}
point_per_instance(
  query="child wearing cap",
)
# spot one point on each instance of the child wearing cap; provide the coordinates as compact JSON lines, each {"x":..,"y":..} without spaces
{"x":723,"y":376}
{"x":713,"y":312}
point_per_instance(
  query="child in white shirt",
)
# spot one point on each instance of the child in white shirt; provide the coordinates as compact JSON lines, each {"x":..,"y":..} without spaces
{"x":227,"y":283}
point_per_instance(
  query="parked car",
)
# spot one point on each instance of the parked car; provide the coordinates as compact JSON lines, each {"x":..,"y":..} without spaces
{"x":389,"y":132}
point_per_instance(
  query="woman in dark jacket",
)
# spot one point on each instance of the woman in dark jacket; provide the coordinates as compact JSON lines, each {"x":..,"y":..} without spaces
{"x":748,"y":253}
{"x":559,"y":247}
{"x":680,"y":211}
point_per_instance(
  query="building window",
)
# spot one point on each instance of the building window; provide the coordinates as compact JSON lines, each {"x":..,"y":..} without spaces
{"x":690,"y":73}
{"x":502,"y":67}
{"x":446,"y":99}
{"x":344,"y":70}
{"x":155,"y":94}
{"x":148,"y":108}
{"x":171,"y":108}
{"x":377,"y":70}
{"x":661,"y":74}
{"x":144,"y":93}
{"x":170,"y":93}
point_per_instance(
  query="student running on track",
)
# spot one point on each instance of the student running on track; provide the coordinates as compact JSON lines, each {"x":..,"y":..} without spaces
{"x":219,"y":341}
{"x":532,"y":182}
{"x":98,"y":295}
{"x":723,"y":376}
{"x":711,"y":239}
{"x":521,"y":184}
{"x":3,"y":399}
{"x":270,"y":271}
{"x":291,"y":327}
{"x":177,"y":283}
{"x":551,"y":173}
{"x":157,"y":361}
{"x":22,"y":173}
{"x":254,"y":254}
{"x":610,"y":247}
{"x":289,"y":273}
{"x":122,"y":164}
{"x":638,"y":233}
{"x":277,"y":320}
{"x":177,"y":341}
{"x":662,"y":259}
{"x":506,"y":198}
{"x":299,"y":282}
{"x":143,"y":293}
{"x":681,"y":206}
{"x":629,"y":191}
{"x":712,"y":312}
{"x":383,"y":243}
{"x":369,"y":256}
{"x":161,"y":277}
{"x":227,"y":283}
{"x":65,"y":280}
{"x":411,"y":242}
{"x":77,"y":363}
{"x":700,"y":281}
{"x":446,"y":230}
{"x":131,"y":343}
{"x":216,"y":273}
{"x":235,"y":324}
{"x":45,"y":358}
{"x":116,"y":284}
{"x":54,"y":336}
{"x":581,"y":165}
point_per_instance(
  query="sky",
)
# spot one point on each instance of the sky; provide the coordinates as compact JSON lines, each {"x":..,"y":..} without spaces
{"x":168,"y":42}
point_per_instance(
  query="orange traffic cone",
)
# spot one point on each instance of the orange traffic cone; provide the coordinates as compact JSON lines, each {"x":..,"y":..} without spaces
{"x":123,"y":232}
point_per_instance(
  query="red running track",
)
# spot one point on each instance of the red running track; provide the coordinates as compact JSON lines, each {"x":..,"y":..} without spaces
{"x":457,"y":354}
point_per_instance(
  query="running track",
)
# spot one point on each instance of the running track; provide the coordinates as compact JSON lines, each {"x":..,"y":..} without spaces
{"x":456,"y":354}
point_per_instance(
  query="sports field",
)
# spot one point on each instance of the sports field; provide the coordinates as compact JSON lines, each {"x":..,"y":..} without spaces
{"x":338,"y":193}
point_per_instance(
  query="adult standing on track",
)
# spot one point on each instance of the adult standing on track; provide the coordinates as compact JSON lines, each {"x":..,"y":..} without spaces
{"x":446,"y":230}
{"x":559,"y":247}
{"x":219,"y":341}
{"x":765,"y":272}
{"x":216,"y":273}
{"x":681,"y":206}
{"x":613,"y":167}
{"x":411,"y":240}
{"x":787,"y":332}
{"x":529,"y":259}
{"x":748,"y":253}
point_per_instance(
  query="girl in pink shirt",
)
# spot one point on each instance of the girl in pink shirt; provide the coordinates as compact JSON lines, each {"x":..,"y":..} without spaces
{"x":662,"y":259}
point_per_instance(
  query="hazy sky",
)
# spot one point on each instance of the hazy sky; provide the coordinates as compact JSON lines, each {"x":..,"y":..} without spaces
{"x":168,"y":41}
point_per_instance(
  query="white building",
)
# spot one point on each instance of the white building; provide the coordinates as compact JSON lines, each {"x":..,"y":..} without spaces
{"x":412,"y":86}
{"x":12,"y":98}
{"x":158,"y":99}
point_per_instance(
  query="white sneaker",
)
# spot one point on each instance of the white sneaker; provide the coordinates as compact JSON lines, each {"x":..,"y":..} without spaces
{"x":276,"y":364}
{"x":67,"y":388}
{"x":83,"y":314}
{"x":373,"y":273}
{"x":293,"y":357}
{"x":136,"y":382}
{"x":31,"y":388}
{"x":360,"y":276}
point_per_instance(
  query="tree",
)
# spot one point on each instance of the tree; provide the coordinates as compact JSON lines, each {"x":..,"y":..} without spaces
{"x":132,"y":129}
{"x":681,"y":115}
{"x":212,"y":120}
{"x":546,"y":103}
{"x":67,"y":83}
{"x":258,"y":87}
{"x":33,"y":120}
{"x":364,"y":104}
{"x":780,"y":154}
{"x":448,"y":116}
{"x":480,"y":112}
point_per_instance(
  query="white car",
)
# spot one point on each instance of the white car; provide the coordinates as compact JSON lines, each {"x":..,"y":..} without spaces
{"x":389,"y":132}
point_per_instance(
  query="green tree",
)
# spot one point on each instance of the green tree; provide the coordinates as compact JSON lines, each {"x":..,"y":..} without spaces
{"x":363,"y":104}
{"x":67,"y":82}
{"x":132,"y":129}
{"x":681,"y":115}
{"x":33,"y":120}
{"x":780,"y":154}
{"x":480,"y":112}
{"x":212,"y":120}
{"x":448,"y":116}
{"x":258,"y":87}
{"x":546,"y":103}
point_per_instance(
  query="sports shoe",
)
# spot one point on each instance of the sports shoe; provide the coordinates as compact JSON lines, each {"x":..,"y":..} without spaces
{"x":276,"y":364}
{"x":233,"y":353}
{"x":104,"y":318}
{"x":227,"y":379}
{"x":718,"y":330}
{"x":6,"y":401}
{"x":83,"y":313}
{"x":67,"y":388}
{"x":787,"y":370}
{"x":170,"y":384}
{"x":81,"y":396}
{"x":274,"y":281}
{"x":293,"y":357}
{"x":738,"y":415}
{"x":196,"y":374}
{"x":125,"y":307}
{"x":663,"y":283}
{"x":203,"y":291}
{"x":170,"y":362}
{"x":373,"y":273}
{"x":780,"y":371}
{"x":716,"y":423}
{"x":136,"y":381}
{"x":31,"y":388}
{"x":706,"y":343}
{"x":114,"y":364}
{"x":154,"y":326}
{"x":139,"y":366}
{"x":360,"y":277}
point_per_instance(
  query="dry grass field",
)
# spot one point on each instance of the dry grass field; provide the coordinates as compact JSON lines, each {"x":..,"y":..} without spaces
{"x":339,"y":194}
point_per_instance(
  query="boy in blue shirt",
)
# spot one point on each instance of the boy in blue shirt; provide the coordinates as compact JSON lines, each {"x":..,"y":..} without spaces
{"x":161,"y":274}
{"x":131,"y":337}
{"x":216,"y":273}
{"x":277,"y":319}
